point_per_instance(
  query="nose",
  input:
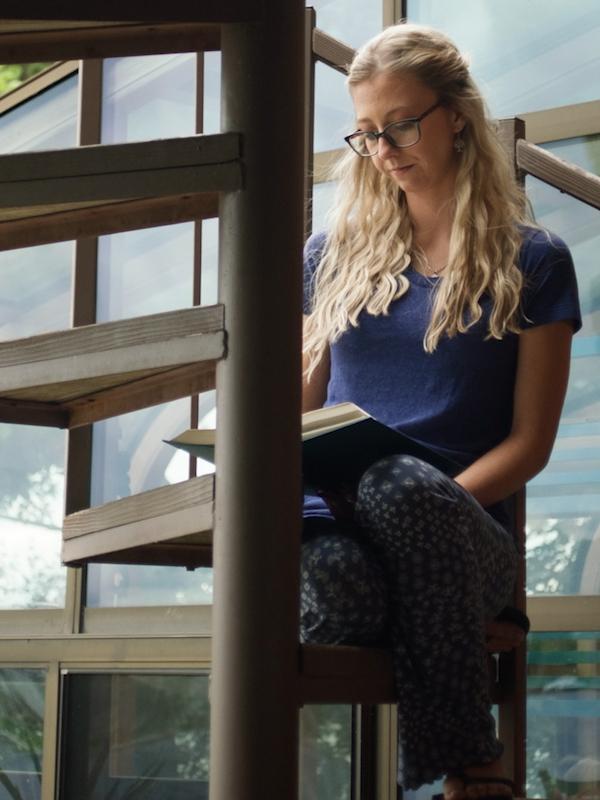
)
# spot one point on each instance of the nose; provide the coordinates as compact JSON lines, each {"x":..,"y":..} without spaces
{"x":384,"y":148}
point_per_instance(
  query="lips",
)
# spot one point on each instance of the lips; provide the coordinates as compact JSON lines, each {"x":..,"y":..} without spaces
{"x":401,"y":170}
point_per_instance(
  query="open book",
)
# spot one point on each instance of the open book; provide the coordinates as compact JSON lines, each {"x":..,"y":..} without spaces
{"x":339,"y":443}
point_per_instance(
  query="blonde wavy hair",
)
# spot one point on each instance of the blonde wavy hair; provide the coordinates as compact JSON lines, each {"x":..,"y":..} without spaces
{"x":370,"y":238}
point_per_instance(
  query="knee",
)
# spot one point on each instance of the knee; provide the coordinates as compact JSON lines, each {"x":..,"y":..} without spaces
{"x":398,"y":478}
{"x":343,"y":597}
{"x":398,"y":487}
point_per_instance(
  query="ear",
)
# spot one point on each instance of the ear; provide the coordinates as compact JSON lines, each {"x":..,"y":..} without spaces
{"x":458,"y":121}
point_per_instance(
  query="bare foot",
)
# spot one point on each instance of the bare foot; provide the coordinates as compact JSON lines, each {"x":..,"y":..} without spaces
{"x":455,"y":787}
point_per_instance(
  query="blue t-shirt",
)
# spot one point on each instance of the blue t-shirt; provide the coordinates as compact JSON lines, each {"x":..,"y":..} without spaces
{"x":457,"y":400}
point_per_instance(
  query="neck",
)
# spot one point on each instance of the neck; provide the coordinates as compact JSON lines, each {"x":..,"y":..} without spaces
{"x":432,"y":226}
{"x":431,"y":219}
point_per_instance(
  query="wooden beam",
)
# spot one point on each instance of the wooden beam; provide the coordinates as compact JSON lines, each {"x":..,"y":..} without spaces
{"x":17,"y":412}
{"x":566,"y":177}
{"x":144,"y":506}
{"x":511,"y":130}
{"x":122,"y":171}
{"x":342,"y":674}
{"x":104,"y":41}
{"x":331,"y":51}
{"x":179,"y":518}
{"x":147,"y":391}
{"x":61,"y":366}
{"x":133,"y":10}
{"x":26,"y":227}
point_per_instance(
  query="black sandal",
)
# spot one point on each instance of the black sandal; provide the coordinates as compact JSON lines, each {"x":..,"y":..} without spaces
{"x":516,"y":617}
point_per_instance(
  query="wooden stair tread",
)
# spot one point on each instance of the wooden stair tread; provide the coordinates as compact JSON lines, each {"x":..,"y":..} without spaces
{"x":27,"y":226}
{"x":170,"y":525}
{"x":95,"y":371}
{"x":164,"y":167}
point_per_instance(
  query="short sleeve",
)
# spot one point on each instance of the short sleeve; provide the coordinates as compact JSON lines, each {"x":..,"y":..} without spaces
{"x":550,"y":291}
{"x":313,"y":251}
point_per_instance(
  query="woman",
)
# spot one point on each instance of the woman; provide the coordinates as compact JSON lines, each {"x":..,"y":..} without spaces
{"x":436,"y":305}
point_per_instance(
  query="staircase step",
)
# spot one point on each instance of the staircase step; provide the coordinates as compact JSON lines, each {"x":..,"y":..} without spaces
{"x":81,"y":375}
{"x":158,"y":168}
{"x":28,"y":226}
{"x":171,"y":526}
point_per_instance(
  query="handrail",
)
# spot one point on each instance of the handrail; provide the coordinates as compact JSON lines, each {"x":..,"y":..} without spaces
{"x":331,"y":51}
{"x":563,"y":175}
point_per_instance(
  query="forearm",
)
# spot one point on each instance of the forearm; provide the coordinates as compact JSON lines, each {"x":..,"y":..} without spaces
{"x":503,"y":470}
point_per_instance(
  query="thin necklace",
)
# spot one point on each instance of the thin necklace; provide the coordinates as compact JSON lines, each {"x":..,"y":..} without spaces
{"x":433,"y":273}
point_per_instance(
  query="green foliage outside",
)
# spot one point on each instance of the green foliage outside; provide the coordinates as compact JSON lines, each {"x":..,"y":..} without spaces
{"x":13,"y":75}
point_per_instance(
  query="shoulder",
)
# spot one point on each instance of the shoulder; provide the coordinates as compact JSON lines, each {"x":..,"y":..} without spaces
{"x":313,"y":252}
{"x":550,"y":284}
{"x":541,"y":249}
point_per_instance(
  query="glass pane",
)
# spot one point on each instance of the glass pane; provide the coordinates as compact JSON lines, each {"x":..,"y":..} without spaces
{"x":209,"y":278}
{"x":563,"y":715}
{"x":148,"y":97}
{"x":31,"y":511}
{"x":46,"y":122}
{"x":35,"y":289}
{"x":550,"y":58}
{"x":127,"y":736}
{"x":326,"y":753}
{"x":212,"y":93}
{"x":563,"y":511}
{"x":145,"y":272}
{"x":35,"y":292}
{"x":350,"y":21}
{"x":21,"y":732}
{"x":129,"y":456}
{"x":334,"y":115}
{"x":322,"y":201}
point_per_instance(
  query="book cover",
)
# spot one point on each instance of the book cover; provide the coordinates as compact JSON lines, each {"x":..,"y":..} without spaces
{"x":339,"y":443}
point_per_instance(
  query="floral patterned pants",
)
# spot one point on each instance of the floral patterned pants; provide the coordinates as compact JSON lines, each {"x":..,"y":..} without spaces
{"x":421,"y":569}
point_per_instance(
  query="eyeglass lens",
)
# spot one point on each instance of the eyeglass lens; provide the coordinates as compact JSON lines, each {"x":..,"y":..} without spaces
{"x":400,"y":134}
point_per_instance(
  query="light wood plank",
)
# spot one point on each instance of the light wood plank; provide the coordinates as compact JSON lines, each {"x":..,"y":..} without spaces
{"x":19,"y":412}
{"x":122,"y":171}
{"x":143,"y":506}
{"x":64,"y":379}
{"x":147,"y":391}
{"x":100,"y":159}
{"x":566,"y":177}
{"x":23,"y":42}
{"x":61,"y":366}
{"x":88,"y":339}
{"x":143,"y":521}
{"x":331,"y":51}
{"x":29,"y":226}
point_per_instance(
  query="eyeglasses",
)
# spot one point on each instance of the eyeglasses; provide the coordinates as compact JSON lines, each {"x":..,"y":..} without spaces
{"x":399,"y":134}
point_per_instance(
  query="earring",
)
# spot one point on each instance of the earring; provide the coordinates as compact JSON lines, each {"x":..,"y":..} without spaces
{"x":459,"y":144}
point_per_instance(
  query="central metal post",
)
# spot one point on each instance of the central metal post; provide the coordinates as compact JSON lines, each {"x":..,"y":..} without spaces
{"x":254,"y":695}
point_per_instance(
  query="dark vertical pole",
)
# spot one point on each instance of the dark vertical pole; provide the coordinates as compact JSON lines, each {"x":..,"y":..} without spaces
{"x":513,"y":666}
{"x":254,"y":696}
{"x":309,"y":118}
{"x":79,"y":442}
